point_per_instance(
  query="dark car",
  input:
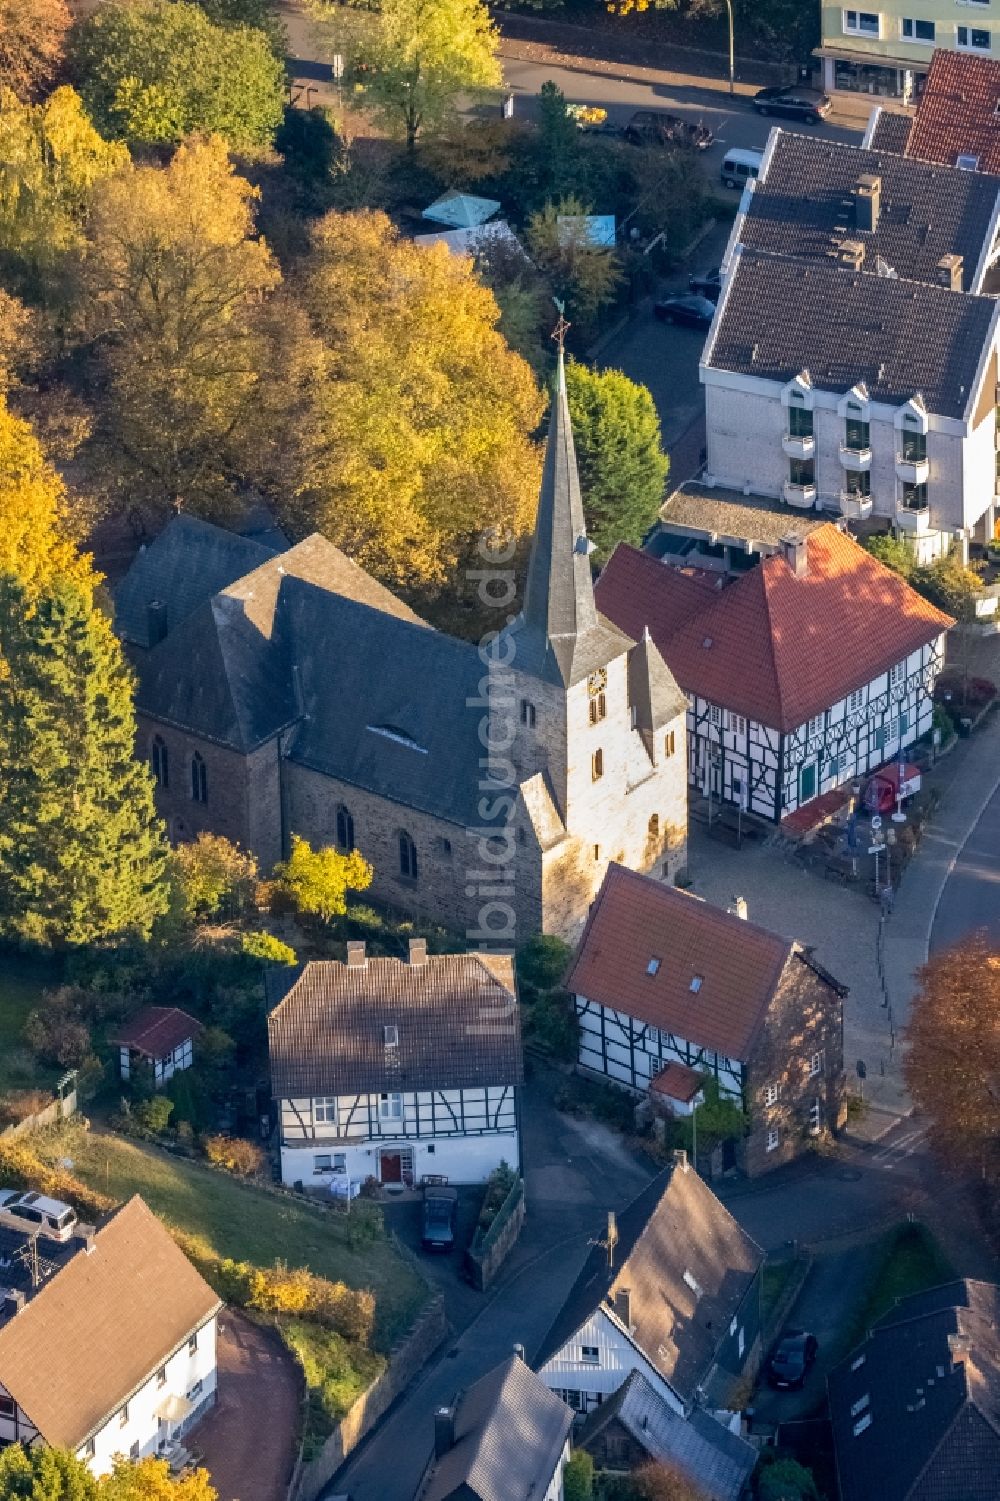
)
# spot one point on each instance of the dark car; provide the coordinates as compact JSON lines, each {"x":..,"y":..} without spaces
{"x":437,"y":1231}
{"x":694,"y":312}
{"x":709,"y":285}
{"x":656,"y":127}
{"x":809,"y":105}
{"x":793,"y":1355}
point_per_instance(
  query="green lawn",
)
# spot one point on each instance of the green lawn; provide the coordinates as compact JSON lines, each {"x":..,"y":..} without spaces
{"x":21,"y":986}
{"x":910,"y":1261}
{"x":237,"y":1220}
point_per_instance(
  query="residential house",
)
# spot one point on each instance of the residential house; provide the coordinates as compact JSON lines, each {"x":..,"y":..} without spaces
{"x":915,"y":1409}
{"x":635,"y":1428}
{"x":284,"y":692}
{"x":107,"y":1344}
{"x":670,"y":990}
{"x":843,"y":371}
{"x":673,"y":1292}
{"x":505,"y":1438}
{"x":161,"y":1038}
{"x":956,"y":122}
{"x":886,"y":52}
{"x":802,"y":675}
{"x":395,"y":1070}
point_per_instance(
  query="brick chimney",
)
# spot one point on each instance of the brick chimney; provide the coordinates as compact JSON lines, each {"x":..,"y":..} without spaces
{"x":949,"y":272}
{"x":418,"y":951}
{"x":356,"y":955}
{"x":793,"y":550}
{"x":444,"y":1431}
{"x":867,"y":203}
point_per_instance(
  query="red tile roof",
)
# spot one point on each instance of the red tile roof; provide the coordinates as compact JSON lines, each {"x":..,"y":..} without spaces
{"x":817,"y":811}
{"x":157,"y":1030}
{"x":677,"y":1082}
{"x":957,"y":114}
{"x":636,"y":920}
{"x":772,"y":646}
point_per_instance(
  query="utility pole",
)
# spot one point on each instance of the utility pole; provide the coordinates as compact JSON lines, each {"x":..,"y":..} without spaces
{"x":732,"y":51}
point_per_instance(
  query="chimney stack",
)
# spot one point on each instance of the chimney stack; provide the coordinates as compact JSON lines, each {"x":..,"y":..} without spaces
{"x":681,"y":1160}
{"x":623,"y":1306}
{"x":356,"y":956}
{"x":851,"y":253}
{"x":87,"y":1236}
{"x":949,"y":272}
{"x":444,"y":1431}
{"x":793,"y":549}
{"x":418,"y":950}
{"x":519,"y":1351}
{"x":156,"y":621}
{"x":867,"y":203}
{"x":13,"y":1302}
{"x":739,"y":908}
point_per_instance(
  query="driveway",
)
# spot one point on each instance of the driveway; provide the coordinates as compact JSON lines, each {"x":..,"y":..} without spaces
{"x":248,"y":1440}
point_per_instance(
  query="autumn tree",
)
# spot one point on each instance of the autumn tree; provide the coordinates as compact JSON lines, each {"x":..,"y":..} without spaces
{"x":82,"y":854}
{"x":214,"y":876}
{"x":318,"y":880}
{"x":582,"y":273}
{"x":420,"y":56}
{"x":32,"y":37}
{"x":623,"y":468}
{"x":952,"y":1066}
{"x":426,"y":415}
{"x":43,"y":1474}
{"x":36,"y":541}
{"x":52,"y":159}
{"x":175,"y":278}
{"x":663,"y":1482}
{"x":156,"y":71}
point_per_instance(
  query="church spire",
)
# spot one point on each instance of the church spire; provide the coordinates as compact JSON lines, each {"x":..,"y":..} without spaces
{"x":559,"y":608}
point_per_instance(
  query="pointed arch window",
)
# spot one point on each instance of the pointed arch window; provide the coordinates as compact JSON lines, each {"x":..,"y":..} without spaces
{"x":407,"y":856}
{"x":199,"y":779}
{"x":597,"y":765}
{"x":345,"y":828}
{"x":160,"y":761}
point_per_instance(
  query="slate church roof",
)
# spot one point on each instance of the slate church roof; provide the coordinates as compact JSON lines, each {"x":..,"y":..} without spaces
{"x":916,"y":1408}
{"x":687,"y":1267}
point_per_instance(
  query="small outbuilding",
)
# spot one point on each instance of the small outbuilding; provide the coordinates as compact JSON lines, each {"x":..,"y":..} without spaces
{"x":163,"y":1036}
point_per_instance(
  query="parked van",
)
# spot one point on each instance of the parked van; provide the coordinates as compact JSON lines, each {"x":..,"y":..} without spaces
{"x":739,"y":167}
{"x":33,"y":1212}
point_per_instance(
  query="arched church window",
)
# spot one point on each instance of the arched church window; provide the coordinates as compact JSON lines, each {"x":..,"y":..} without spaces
{"x":407,"y":856}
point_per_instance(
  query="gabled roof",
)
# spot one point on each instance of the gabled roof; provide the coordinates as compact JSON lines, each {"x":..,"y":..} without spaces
{"x":957,"y":113}
{"x":888,"y":130}
{"x":780,"y":315}
{"x":156,"y":1031}
{"x":717,"y":1461}
{"x":183,"y":567}
{"x":559,"y":635}
{"x":510,"y":1432}
{"x":772,"y":646}
{"x":916,"y":1408}
{"x":715,"y":974}
{"x":673,"y":1235}
{"x":800,"y":206}
{"x":101,"y":1326}
{"x":456,"y":1018}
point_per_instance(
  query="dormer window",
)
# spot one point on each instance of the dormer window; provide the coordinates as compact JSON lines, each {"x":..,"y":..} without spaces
{"x":390,"y":1036}
{"x":653,"y":967}
{"x":696,"y":983}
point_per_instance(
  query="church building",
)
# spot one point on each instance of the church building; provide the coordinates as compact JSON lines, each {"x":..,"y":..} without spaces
{"x":284,"y":691}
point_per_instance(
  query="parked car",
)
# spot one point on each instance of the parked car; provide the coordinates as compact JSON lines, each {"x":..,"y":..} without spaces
{"x":440,"y":1210}
{"x":657,"y":127}
{"x":51,"y":1218}
{"x":791,"y":1358}
{"x":709,"y":285}
{"x":740,"y":166}
{"x":810,"y":105}
{"x":693,"y":311}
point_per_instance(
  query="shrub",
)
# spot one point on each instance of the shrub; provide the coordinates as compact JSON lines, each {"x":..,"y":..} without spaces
{"x":952,"y":687}
{"x":235,"y":1154}
{"x":297,"y":1292}
{"x":154,"y":1114}
{"x":21,"y":1167}
{"x":498,"y":1186}
{"x":56,"y":1032}
{"x":543,"y":961}
{"x":215,"y":877}
{"x":265,"y":946}
{"x":784,"y":1479}
{"x":18,"y":1104}
{"x":578,"y":1477}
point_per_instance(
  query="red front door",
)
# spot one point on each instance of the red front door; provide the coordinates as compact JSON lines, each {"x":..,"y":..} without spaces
{"x":391,"y":1167}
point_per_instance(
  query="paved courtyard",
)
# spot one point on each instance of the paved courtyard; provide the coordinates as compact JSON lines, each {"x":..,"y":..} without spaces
{"x":248,"y":1440}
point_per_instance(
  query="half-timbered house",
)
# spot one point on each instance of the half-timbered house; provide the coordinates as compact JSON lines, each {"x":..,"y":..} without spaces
{"x":671,"y":991}
{"x":396,"y":1070}
{"x":809,"y":670}
{"x":107,"y":1343}
{"x":672,"y":1291}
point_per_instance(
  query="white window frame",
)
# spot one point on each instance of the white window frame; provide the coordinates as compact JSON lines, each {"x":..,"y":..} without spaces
{"x":735,"y":722}
{"x":590,"y":1354}
{"x":325,"y":1110}
{"x":390,"y":1107}
{"x":855,"y":700}
{"x":714,"y":714}
{"x":911,"y":36}
{"x":772,"y":1093}
{"x":815,"y":726}
{"x":773,"y":1139}
{"x":968,"y":45}
{"x":865,"y":1421}
{"x":857,"y":29}
{"x":897,"y":674}
{"x":816,"y":1064}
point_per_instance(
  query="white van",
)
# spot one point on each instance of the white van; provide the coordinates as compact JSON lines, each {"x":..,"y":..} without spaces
{"x":34,"y":1213}
{"x":739,"y":166}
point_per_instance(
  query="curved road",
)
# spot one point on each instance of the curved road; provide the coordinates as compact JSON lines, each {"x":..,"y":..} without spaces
{"x":971,"y":897}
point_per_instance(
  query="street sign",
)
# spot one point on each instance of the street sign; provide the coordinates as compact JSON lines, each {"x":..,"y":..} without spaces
{"x":875,"y":849}
{"x":876,"y":822}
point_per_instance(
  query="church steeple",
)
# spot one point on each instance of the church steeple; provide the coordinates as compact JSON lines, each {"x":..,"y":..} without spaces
{"x":560,"y":636}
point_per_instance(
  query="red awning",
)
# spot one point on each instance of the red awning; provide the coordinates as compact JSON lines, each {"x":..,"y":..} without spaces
{"x":889,"y":782}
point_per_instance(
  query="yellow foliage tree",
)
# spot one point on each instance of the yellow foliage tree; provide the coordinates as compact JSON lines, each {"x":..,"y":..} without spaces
{"x":52,"y":160}
{"x":318,"y":881}
{"x":427,"y":415}
{"x":35,"y":535}
{"x":174,"y":284}
{"x":151,"y":1480}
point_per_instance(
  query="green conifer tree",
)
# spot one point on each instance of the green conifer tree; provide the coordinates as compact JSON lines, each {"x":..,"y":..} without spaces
{"x":82,"y":853}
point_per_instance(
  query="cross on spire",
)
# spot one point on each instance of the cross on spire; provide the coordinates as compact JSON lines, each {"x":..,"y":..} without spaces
{"x":562,"y":328}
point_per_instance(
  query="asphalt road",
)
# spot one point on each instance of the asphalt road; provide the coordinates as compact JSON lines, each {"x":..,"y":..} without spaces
{"x":971,"y":897}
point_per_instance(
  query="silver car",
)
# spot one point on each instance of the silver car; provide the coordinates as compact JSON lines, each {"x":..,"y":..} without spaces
{"x":34,"y":1213}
